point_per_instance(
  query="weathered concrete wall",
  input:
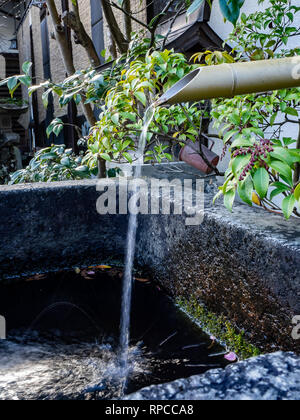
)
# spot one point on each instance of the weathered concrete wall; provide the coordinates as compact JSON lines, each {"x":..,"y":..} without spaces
{"x":244,"y":265}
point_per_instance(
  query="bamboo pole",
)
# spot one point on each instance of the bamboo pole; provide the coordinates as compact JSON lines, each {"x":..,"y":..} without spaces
{"x":229,"y":80}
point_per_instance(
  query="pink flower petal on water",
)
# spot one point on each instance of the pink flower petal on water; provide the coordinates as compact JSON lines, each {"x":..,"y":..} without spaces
{"x":91,"y":273}
{"x":231,"y":357}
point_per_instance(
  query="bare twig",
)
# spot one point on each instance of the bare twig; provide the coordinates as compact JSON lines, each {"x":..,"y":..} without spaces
{"x":114,"y":28}
{"x":127,"y":13}
{"x":157,"y":21}
{"x":171,"y":27}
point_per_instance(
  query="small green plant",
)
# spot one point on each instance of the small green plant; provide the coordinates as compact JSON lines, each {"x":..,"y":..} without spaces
{"x":55,"y":163}
{"x":12,"y":101}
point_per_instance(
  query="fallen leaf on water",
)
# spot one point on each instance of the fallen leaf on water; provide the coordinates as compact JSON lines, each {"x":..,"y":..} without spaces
{"x":231,"y":357}
{"x":88,"y":275}
{"x":142,"y":280}
{"x":103,"y":267}
{"x":77,"y":270}
{"x":36,"y":277}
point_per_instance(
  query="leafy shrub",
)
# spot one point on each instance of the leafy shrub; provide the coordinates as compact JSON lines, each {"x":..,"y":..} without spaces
{"x":121,"y":121}
{"x":55,"y":163}
{"x":123,"y":93}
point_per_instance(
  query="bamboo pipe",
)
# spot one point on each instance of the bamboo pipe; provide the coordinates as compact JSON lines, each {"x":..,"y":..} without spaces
{"x":229,"y":80}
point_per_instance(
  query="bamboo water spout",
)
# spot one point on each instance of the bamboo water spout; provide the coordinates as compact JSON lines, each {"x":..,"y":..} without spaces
{"x":229,"y":80}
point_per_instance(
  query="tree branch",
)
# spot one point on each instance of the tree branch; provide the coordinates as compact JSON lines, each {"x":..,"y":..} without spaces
{"x":180,"y":10}
{"x":128,"y":14}
{"x":208,"y":163}
{"x":73,"y":21}
{"x":127,"y":19}
{"x":158,"y":19}
{"x":61,"y":38}
{"x":69,"y":63}
{"x":116,"y":33}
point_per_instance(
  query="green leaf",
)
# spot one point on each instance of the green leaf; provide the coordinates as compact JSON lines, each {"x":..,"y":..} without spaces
{"x":283,"y":169}
{"x":141,"y":97}
{"x":291,"y":111}
{"x":45,"y":98}
{"x":241,"y":141}
{"x":295,"y":155}
{"x":282,"y":154}
{"x":288,"y":141}
{"x":12,"y":83}
{"x":231,"y":9}
{"x":239,"y":163}
{"x":245,"y":190}
{"x":49,"y":156}
{"x":275,"y":192}
{"x":26,"y":80}
{"x":194,"y":7}
{"x":57,"y":129}
{"x":115,"y":118}
{"x":26,"y":67}
{"x":297,"y":193}
{"x":229,"y":197}
{"x":105,"y":156}
{"x":128,"y":157}
{"x":288,"y":205}
{"x":65,"y":161}
{"x":217,"y":196}
{"x":261,"y":181}
{"x":229,"y":135}
{"x":279,"y":189}
{"x":82,"y":168}
{"x":129,"y":116}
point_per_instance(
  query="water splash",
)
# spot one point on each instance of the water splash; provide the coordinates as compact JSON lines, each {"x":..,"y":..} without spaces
{"x":52,"y":368}
{"x":129,"y":261}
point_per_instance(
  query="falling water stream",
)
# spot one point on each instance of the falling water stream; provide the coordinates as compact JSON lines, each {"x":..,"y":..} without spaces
{"x":130,"y":252}
{"x":66,"y":362}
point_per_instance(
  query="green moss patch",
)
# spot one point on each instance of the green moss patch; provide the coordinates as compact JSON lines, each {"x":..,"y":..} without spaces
{"x":219,"y":327}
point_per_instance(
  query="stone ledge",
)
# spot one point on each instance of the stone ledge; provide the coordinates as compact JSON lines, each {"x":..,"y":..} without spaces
{"x":271,"y":377}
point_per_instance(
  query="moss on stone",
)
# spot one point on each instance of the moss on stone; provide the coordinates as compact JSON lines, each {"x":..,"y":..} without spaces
{"x":219,"y":327}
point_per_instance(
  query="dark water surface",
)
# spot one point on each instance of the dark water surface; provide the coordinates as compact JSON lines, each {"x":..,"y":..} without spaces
{"x":63,"y":336}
